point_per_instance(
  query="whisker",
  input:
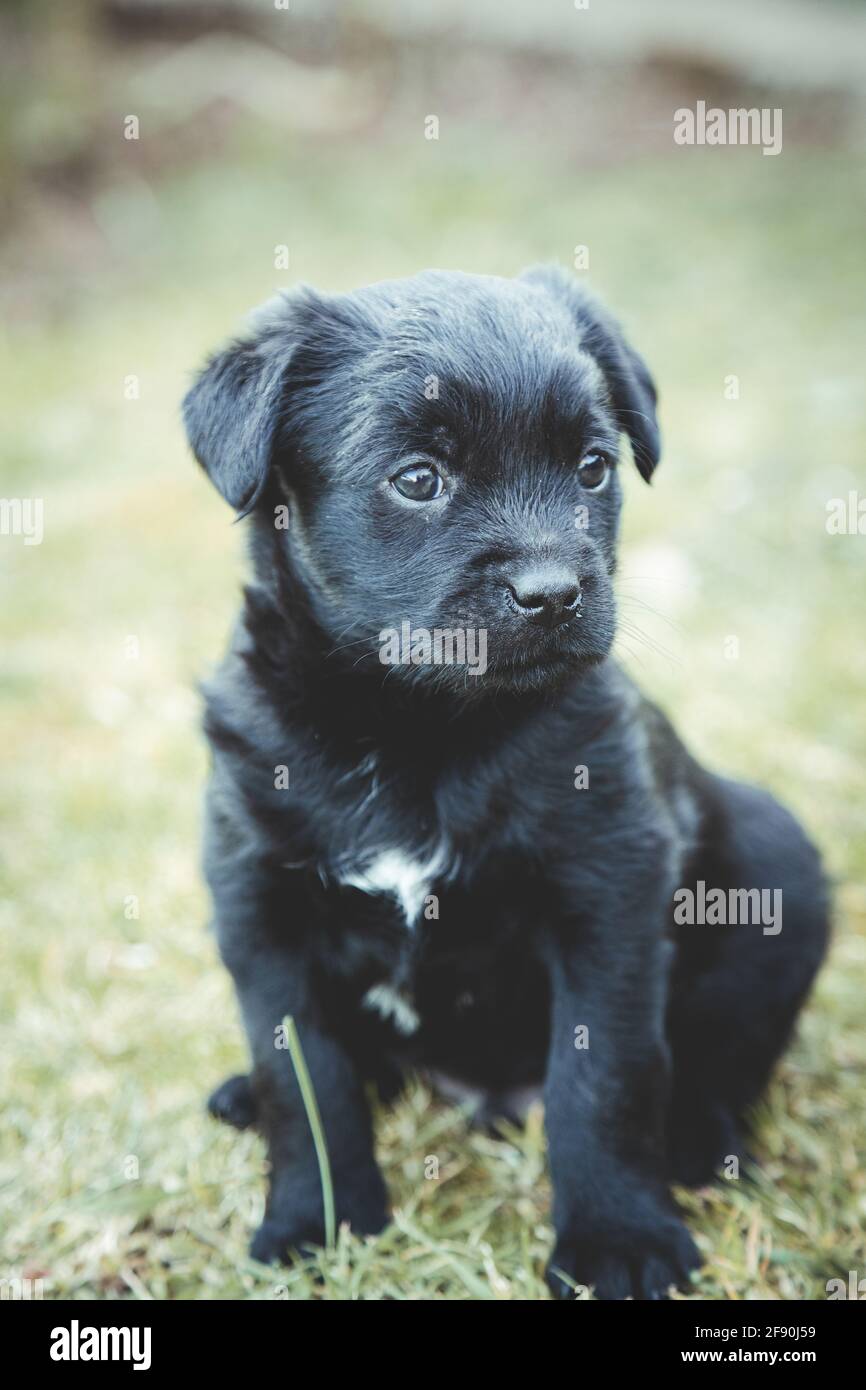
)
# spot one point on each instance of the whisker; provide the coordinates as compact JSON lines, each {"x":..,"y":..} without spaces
{"x":650,"y":643}
{"x":672,"y":623}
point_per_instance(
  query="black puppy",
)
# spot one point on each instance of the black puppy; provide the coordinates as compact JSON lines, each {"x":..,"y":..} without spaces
{"x":401,"y":852}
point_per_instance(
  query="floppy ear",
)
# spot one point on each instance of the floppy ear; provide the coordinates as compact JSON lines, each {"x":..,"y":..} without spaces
{"x":233,"y":411}
{"x":631,"y":387}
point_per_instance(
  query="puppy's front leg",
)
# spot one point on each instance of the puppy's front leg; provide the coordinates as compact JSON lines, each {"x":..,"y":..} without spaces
{"x":273,"y":977}
{"x":294,"y":1213}
{"x":605,"y":1094}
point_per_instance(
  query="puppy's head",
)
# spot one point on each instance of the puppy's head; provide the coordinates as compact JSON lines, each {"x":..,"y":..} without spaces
{"x":445,"y":451}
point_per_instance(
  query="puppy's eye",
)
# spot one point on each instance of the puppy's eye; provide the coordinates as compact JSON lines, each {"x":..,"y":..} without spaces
{"x":593,"y":471}
{"x":420,"y":482}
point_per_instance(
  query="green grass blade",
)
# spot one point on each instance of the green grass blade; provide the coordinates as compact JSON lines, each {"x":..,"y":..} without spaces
{"x":308,"y":1095}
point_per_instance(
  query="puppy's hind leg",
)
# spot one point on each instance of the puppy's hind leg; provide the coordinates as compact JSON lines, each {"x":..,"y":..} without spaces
{"x":738,"y":986}
{"x":234,"y":1103}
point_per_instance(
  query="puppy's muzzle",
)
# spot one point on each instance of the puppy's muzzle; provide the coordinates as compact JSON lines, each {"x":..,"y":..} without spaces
{"x":546,"y":595}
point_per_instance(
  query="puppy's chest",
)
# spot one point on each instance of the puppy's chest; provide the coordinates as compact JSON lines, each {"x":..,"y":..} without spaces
{"x":419,"y":852}
{"x":404,"y":883}
{"x":405,"y":877}
{"x":389,"y":841}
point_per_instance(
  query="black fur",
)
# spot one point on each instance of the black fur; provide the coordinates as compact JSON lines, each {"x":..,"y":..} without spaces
{"x":554,"y":904}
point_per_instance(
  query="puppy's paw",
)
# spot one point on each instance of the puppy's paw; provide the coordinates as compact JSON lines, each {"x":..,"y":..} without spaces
{"x":276,"y":1241}
{"x":644,"y":1265}
{"x":233,"y":1102}
{"x":281,"y":1236}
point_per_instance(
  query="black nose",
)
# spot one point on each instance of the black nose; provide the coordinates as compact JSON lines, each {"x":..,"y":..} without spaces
{"x":547,"y":595}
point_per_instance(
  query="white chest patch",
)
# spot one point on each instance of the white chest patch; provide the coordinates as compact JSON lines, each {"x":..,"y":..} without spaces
{"x":406,"y":879}
{"x":409,"y":880}
{"x":393,"y":1004}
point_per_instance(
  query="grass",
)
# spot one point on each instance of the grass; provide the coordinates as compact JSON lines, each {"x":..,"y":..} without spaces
{"x":314,"y":1120}
{"x":113,"y":1183}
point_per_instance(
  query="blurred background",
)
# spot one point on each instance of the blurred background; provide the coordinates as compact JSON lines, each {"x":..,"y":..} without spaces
{"x":167,"y":164}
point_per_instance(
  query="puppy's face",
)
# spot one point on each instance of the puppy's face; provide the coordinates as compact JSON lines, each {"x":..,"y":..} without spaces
{"x":445,"y":449}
